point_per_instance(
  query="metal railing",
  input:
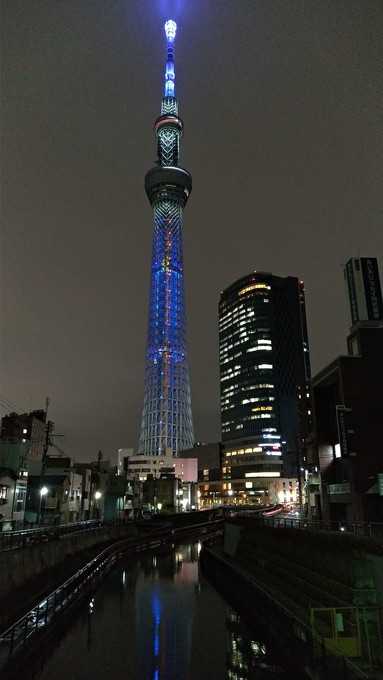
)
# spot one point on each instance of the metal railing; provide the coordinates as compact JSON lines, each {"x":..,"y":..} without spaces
{"x":363,"y":529}
{"x":22,"y":538}
{"x":14,"y":540}
{"x":314,"y":651}
{"x":21,"y":635}
{"x":17,"y":636}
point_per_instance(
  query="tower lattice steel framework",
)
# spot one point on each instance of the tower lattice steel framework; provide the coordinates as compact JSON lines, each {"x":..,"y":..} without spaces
{"x":167,"y":419}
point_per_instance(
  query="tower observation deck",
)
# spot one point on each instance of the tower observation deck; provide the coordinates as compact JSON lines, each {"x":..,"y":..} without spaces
{"x":166,"y":425}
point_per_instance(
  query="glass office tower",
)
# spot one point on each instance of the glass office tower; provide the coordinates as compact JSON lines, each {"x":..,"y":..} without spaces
{"x":264,"y":378}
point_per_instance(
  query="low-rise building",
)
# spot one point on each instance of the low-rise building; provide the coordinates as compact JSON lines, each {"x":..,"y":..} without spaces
{"x":178,"y":480}
{"x":30,"y":429}
{"x":189,"y":498}
{"x":139,"y":466}
{"x":48,"y":499}
{"x":112,"y":495}
{"x":249,"y":473}
{"x":284,"y":491}
{"x":86,"y":489}
{"x":162,"y":494}
{"x":119,"y":498}
{"x":13,"y":484}
{"x":209,"y":467}
{"x":55,"y":496}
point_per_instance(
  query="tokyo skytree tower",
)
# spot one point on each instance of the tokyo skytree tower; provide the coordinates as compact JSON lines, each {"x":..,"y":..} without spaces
{"x":167,"y":426}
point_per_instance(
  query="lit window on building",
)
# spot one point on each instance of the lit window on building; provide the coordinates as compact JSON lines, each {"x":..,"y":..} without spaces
{"x":337,"y":451}
{"x":272,"y":473}
{"x":254,"y":286}
{"x":3,"y":493}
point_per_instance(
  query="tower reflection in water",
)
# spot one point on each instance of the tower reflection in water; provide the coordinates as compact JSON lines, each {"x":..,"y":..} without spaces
{"x":168,"y":606}
{"x":164,"y":605}
{"x":155,"y":617}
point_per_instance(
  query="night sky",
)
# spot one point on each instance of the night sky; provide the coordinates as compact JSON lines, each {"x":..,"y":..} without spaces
{"x":282,"y":103}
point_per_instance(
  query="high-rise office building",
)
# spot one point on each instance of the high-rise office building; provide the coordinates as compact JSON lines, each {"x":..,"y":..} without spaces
{"x":166,"y":426}
{"x":265,"y":381}
{"x":364,"y":291}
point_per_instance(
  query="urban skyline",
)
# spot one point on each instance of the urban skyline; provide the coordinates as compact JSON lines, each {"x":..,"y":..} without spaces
{"x":69,"y":331}
{"x":256,"y":551}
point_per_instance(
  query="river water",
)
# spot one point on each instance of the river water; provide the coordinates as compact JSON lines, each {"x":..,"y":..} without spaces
{"x":155,"y":617}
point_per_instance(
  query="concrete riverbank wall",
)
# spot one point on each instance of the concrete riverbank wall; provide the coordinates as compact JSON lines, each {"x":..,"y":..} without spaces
{"x":20,"y":567}
{"x":331,"y":583}
{"x":323,"y":568}
{"x":27,"y":572}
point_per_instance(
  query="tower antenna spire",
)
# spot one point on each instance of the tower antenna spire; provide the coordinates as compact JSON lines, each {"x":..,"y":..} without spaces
{"x":170,"y":76}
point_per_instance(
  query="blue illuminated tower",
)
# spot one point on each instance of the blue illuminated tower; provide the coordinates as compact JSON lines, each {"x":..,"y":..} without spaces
{"x":166,"y":419}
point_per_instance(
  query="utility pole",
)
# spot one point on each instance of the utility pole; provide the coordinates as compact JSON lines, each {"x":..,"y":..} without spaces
{"x":47,"y":442}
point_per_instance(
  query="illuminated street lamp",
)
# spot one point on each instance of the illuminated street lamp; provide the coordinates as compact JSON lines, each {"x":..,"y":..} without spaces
{"x":159,"y":507}
{"x":97,"y":497}
{"x":43,"y":493}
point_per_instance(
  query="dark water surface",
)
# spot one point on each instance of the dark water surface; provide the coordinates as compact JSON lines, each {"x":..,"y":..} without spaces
{"x":155,"y":617}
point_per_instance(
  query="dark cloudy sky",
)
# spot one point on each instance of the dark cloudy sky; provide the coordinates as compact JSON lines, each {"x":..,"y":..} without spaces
{"x":282,"y":102}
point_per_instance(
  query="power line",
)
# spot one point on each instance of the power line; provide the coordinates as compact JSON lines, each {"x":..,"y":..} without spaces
{"x":10,"y":404}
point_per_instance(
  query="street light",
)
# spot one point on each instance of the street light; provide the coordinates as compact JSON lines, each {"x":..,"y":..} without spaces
{"x":43,"y":493}
{"x":159,"y":507}
{"x":97,"y":496}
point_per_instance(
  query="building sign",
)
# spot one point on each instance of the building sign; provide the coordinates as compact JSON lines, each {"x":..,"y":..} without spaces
{"x":380,"y":483}
{"x":372,"y":288}
{"x":337,"y":489}
{"x":349,"y":271}
{"x":345,"y":429}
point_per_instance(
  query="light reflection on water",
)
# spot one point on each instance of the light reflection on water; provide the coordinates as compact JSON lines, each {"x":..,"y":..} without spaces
{"x":156,"y":618}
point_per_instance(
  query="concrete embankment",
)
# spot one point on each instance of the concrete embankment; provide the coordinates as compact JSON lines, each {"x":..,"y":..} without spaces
{"x":323,"y":568}
{"x":26,"y":573}
{"x":44,"y":622}
{"x":320,"y":592}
